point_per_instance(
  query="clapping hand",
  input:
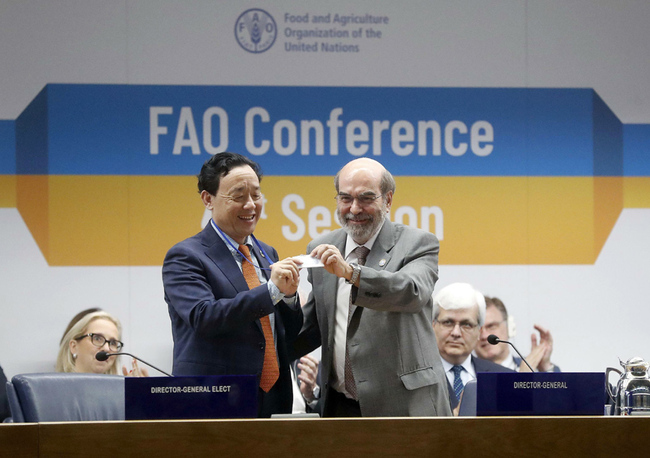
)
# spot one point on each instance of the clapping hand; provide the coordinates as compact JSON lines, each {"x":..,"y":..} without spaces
{"x":135,"y":371}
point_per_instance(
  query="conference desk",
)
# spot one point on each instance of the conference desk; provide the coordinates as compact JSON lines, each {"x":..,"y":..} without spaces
{"x":421,"y":437}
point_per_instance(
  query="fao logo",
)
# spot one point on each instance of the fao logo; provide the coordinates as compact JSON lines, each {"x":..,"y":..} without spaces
{"x":255,"y":30}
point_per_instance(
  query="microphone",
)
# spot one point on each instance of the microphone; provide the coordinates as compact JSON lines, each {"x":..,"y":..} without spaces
{"x":493,"y":340}
{"x":104,"y":355}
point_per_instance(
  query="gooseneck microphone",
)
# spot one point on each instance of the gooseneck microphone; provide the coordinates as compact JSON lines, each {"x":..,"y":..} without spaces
{"x":493,"y":340}
{"x":104,"y":355}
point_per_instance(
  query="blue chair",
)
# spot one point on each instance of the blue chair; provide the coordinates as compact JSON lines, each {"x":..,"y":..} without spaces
{"x":14,"y":406}
{"x":56,"y":396}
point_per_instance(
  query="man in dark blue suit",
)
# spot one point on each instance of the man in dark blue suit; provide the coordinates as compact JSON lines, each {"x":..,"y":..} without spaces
{"x":458,"y":314}
{"x":232,"y":304}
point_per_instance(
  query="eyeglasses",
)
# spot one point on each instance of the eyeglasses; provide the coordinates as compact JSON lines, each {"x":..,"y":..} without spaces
{"x":465,"y":326}
{"x":493,"y":326}
{"x":241,"y":198}
{"x":363,"y":199}
{"x":99,"y":340}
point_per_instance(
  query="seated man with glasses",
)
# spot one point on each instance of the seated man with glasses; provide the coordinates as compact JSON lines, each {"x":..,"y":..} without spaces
{"x":90,"y":334}
{"x":497,"y":323}
{"x":458,"y":314}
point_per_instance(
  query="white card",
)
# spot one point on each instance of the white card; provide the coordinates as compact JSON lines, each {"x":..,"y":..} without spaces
{"x":308,"y":261}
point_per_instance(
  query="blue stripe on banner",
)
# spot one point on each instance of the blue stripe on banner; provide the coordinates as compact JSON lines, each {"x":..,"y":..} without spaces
{"x":608,"y":140}
{"x":7,"y":147}
{"x":32,"y":155}
{"x":172,"y":130}
{"x":637,"y":150}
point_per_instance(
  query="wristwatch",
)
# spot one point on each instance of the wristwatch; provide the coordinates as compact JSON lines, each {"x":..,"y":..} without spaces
{"x":315,"y":397}
{"x":356,"y":272}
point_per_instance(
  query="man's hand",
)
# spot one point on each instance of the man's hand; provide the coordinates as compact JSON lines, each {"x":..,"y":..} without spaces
{"x":533,"y":358}
{"x":308,"y":366}
{"x":540,"y":352}
{"x":546,"y":341}
{"x":334,"y":263}
{"x":285,"y":275}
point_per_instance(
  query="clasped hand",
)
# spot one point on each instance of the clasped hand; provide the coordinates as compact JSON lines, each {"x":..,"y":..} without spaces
{"x":285,"y":275}
{"x":333,"y":261}
{"x":308,"y":366}
{"x":540,"y":353}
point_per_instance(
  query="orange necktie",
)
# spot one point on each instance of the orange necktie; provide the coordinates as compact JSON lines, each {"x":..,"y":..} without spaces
{"x":270,"y":369}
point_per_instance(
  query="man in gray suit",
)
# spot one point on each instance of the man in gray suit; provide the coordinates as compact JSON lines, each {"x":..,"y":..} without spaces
{"x":370,"y":306}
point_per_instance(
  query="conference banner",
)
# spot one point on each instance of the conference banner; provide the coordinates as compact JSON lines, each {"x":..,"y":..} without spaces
{"x":105,"y":174}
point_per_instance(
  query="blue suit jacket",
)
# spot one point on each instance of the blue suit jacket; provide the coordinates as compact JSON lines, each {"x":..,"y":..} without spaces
{"x":216,"y":318}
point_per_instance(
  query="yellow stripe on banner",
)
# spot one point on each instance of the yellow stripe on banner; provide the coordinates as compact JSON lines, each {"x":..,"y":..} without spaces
{"x":637,"y":192}
{"x":561,"y":221}
{"x":483,"y":218}
{"x":162,"y":212}
{"x":7,"y":191}
{"x":108,"y":220}
{"x":479,"y":220}
{"x":134,"y":220}
{"x":89,"y":220}
{"x":32,"y":201}
{"x":609,"y":202}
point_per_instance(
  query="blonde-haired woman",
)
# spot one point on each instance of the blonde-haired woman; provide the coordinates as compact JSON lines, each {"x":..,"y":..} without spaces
{"x":92,"y":333}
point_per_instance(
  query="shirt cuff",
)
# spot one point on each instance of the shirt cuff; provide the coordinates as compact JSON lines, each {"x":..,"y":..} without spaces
{"x":274,"y":291}
{"x":277,"y":295}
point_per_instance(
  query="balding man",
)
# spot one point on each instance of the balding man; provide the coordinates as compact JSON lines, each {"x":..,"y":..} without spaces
{"x":371,"y":308}
{"x":458,"y":314}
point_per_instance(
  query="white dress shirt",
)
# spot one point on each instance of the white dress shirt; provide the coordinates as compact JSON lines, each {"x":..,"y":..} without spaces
{"x":468,"y":374}
{"x":341,"y":319}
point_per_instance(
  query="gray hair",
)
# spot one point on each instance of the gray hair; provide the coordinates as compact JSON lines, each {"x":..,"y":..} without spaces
{"x":459,"y":296}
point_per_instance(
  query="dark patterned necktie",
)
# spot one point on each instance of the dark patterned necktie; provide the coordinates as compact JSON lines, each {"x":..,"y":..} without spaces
{"x":458,"y":382}
{"x":350,"y":385}
{"x":270,"y":369}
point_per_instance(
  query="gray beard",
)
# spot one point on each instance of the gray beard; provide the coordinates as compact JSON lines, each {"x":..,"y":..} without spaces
{"x":361,"y":234}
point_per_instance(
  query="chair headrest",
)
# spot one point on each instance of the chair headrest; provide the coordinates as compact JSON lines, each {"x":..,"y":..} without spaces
{"x":55,"y":396}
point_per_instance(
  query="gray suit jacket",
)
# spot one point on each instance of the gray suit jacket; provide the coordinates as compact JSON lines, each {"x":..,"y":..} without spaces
{"x":393,"y":349}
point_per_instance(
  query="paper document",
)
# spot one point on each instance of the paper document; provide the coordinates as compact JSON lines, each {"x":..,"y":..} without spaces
{"x":308,"y":261}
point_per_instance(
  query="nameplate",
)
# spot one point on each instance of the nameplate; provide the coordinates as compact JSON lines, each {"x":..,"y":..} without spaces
{"x":179,"y":398}
{"x":540,"y":393}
